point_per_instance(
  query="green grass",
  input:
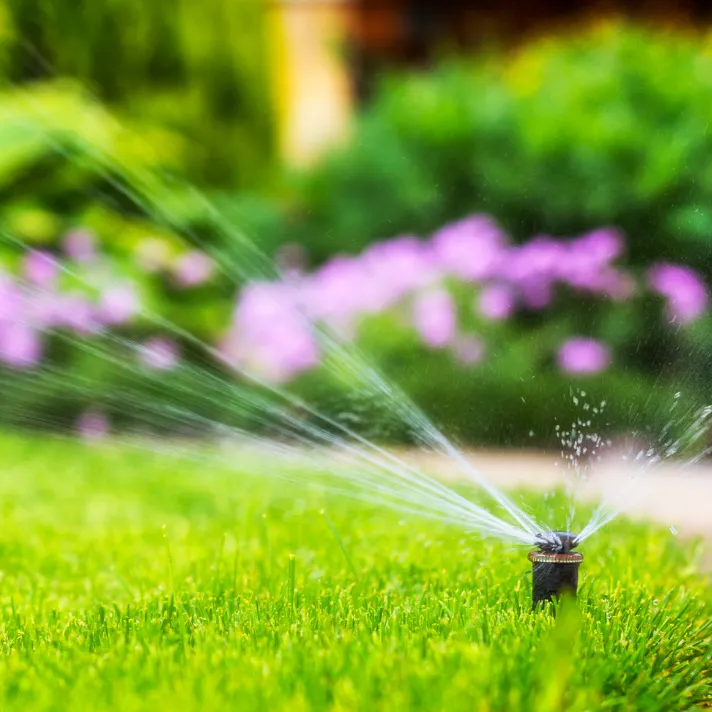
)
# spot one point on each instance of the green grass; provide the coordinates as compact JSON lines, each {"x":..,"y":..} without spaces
{"x":133,"y":581}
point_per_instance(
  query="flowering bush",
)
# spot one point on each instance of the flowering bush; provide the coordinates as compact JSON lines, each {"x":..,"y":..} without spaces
{"x":451,"y":288}
{"x":467,"y":297}
{"x":38,"y":302}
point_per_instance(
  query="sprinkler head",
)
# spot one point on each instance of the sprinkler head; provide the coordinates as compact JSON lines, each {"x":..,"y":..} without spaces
{"x":554,"y":567}
{"x":556,"y":542}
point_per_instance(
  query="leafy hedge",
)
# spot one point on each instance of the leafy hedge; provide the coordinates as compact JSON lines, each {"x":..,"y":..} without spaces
{"x":605,"y":128}
{"x":198,"y":68}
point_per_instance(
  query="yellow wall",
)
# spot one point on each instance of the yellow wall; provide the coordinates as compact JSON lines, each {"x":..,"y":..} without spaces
{"x":313,"y":89}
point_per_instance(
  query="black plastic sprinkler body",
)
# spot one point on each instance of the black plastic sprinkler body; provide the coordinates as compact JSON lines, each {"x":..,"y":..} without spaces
{"x":554,"y":567}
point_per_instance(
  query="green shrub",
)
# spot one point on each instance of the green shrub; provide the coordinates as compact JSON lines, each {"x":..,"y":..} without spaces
{"x":606,"y":128}
{"x":67,"y":163}
{"x":514,"y":398}
{"x":199,"y":68}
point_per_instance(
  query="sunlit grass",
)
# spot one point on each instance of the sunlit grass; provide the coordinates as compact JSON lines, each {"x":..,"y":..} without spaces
{"x":132,"y":580}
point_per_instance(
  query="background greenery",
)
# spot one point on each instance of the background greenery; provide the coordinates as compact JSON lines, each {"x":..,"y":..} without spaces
{"x":605,"y":127}
{"x":201,"y":69}
{"x":564,"y":135}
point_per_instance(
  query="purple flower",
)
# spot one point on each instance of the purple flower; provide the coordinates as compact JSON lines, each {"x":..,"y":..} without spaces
{"x":468,"y":350}
{"x":537,"y":294}
{"x":471,"y":248}
{"x":600,"y":246}
{"x":92,"y":425}
{"x":262,"y":305}
{"x":271,"y":335}
{"x":277,"y":356}
{"x":337,"y":291}
{"x":40,"y":309}
{"x":684,"y":289}
{"x":40,"y":268}
{"x":435,"y":317}
{"x":193,"y":268}
{"x":533,"y":268}
{"x":348,"y":287}
{"x":585,"y":264}
{"x":496,"y":302}
{"x":540,"y":258}
{"x":73,"y":311}
{"x":582,"y":355}
{"x":11,"y":299}
{"x":288,"y":352}
{"x":20,"y":345}
{"x":400,"y":265}
{"x":118,"y":304}
{"x":80,"y":245}
{"x":609,"y":282}
{"x":159,"y":353}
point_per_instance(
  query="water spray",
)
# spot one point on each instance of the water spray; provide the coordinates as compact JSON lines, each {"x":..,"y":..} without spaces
{"x":554,"y":567}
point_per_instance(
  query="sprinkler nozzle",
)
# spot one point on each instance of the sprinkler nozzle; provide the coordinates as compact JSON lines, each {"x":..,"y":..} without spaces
{"x":554,"y":566}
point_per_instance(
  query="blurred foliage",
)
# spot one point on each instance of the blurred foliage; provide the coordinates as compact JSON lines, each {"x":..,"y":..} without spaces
{"x":200,"y":69}
{"x":517,"y":397}
{"x":566,"y":135}
{"x":605,"y":128}
{"x":609,"y":127}
{"x":67,"y":163}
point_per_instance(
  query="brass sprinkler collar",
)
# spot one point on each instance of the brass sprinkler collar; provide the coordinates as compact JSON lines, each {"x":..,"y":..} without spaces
{"x":549,"y":557}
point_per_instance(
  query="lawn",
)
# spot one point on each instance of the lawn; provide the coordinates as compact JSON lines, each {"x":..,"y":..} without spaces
{"x":137,"y":580}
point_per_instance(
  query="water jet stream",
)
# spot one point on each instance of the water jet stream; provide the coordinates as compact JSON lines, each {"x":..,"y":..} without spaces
{"x":377,"y":471}
{"x":363,"y":464}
